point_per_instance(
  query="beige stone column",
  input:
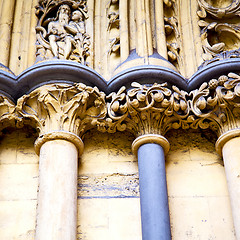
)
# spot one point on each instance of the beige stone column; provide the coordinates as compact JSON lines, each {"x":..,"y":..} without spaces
{"x":57,"y":196}
{"x":216,"y":104}
{"x":62,"y":113}
{"x":229,"y":143}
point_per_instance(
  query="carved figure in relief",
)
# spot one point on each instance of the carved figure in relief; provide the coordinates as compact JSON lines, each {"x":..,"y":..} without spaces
{"x":77,"y":28}
{"x":57,"y":31}
{"x":113,"y":25}
{"x":62,"y":35}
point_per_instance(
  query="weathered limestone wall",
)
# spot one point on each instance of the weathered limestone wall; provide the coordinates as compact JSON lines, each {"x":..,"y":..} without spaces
{"x":108,"y":192}
{"x":198,"y":195}
{"x":18,"y":185}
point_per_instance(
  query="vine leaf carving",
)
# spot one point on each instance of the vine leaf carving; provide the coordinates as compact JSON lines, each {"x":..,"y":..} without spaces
{"x":217,"y":103}
{"x":146,"y":109}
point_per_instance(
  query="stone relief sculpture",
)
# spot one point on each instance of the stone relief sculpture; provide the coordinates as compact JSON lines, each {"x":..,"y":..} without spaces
{"x":61,"y":31}
{"x":220,"y":29}
{"x":172,"y":33}
{"x":216,"y":103}
{"x":113,"y":23}
{"x":146,"y":109}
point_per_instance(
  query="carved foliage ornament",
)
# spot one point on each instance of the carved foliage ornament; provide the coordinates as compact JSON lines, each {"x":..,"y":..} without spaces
{"x":172,"y":32}
{"x":219,"y":9}
{"x":217,"y":103}
{"x":220,"y":29}
{"x":8,"y":116}
{"x":157,"y":108}
{"x":142,"y":110}
{"x":113,"y":26}
{"x":61,"y":31}
{"x":63,"y":107}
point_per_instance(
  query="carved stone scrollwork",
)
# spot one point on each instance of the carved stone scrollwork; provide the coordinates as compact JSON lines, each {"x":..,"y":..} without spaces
{"x":219,"y":9}
{"x":61,"y":31}
{"x":172,"y":33}
{"x":220,"y":32}
{"x":113,"y":26}
{"x":147,"y":109}
{"x":63,"y":107}
{"x":217,"y":103}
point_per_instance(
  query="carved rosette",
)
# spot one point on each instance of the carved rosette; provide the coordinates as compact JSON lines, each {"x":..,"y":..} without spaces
{"x":220,"y":32}
{"x":61,"y":107}
{"x":217,"y":103}
{"x":61,"y":31}
{"x":147,"y":109}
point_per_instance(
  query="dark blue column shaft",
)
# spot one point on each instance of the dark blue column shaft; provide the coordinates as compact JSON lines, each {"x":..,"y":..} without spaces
{"x":153,"y":193}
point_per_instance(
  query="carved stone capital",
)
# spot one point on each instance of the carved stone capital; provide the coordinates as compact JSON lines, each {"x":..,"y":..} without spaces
{"x":216,"y":105}
{"x":147,"y":109}
{"x":55,"y":109}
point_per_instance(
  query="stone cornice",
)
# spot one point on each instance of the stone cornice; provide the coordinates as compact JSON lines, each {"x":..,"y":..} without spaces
{"x":48,"y":72}
{"x":62,"y":71}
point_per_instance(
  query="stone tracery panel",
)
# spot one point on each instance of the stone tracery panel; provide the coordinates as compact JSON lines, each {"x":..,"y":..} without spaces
{"x":61,"y":31}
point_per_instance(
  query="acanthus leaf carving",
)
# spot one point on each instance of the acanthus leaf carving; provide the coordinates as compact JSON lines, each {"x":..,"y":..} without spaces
{"x":61,"y":107}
